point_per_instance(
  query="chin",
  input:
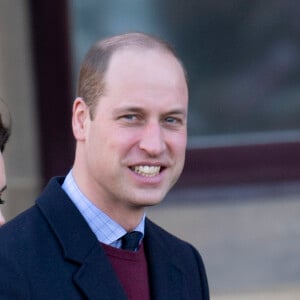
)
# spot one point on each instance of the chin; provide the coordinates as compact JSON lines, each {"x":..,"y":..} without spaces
{"x":152,"y":202}
{"x":148,"y":201}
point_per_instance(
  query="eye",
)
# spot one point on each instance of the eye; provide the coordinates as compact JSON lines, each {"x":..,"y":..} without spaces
{"x":171,"y":120}
{"x":129,"y":117}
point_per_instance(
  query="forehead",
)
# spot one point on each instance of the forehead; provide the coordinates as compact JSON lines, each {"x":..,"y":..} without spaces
{"x":145,"y":79}
{"x":133,"y":64}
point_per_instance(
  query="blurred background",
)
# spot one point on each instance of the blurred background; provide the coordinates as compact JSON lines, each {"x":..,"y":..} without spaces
{"x":238,"y":198}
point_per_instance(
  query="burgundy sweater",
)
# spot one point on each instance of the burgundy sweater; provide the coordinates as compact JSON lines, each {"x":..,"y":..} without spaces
{"x":131,"y":269}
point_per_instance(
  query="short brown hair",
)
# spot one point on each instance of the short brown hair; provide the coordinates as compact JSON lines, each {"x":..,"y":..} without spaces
{"x":94,"y":66}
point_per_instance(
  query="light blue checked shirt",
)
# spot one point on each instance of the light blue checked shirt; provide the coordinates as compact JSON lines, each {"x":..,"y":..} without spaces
{"x":106,"y":230}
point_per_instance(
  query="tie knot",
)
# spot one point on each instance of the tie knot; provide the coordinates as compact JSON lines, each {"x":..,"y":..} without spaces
{"x":131,"y":240}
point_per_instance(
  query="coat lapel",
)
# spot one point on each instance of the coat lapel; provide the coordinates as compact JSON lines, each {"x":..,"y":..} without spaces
{"x":166,"y":278}
{"x":97,"y":279}
{"x":95,"y":276}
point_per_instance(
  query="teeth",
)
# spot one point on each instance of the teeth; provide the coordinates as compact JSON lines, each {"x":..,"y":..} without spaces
{"x":148,"y":171}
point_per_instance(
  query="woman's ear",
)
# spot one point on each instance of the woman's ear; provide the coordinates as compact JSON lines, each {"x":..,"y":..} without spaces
{"x":80,"y":118}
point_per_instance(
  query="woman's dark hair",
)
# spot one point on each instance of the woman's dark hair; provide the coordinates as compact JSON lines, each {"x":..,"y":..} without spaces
{"x":5,"y":125}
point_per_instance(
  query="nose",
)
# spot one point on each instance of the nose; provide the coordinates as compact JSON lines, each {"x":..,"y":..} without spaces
{"x":152,"y":139}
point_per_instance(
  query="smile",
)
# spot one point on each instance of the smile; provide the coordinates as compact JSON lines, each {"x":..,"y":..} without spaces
{"x":147,"y":171}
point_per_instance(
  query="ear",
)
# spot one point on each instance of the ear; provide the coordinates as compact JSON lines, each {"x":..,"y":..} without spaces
{"x":80,"y":119}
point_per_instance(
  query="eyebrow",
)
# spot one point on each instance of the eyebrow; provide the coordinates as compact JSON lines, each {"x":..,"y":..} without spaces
{"x":140,"y":109}
{"x":128,"y":108}
{"x":177,"y":112}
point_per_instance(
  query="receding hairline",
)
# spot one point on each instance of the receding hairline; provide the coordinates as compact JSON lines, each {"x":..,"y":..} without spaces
{"x":109,"y":46}
{"x":97,"y":60}
{"x":142,"y":41}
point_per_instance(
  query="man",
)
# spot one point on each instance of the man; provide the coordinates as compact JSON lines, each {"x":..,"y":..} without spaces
{"x":129,"y":122}
{"x":5,"y":128}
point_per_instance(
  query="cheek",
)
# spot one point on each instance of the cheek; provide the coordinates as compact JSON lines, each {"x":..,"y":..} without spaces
{"x":124,"y":139}
{"x":178,"y":145}
{"x":110,"y":148}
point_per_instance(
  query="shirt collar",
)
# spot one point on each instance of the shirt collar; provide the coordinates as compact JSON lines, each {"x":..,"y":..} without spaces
{"x":106,"y":229}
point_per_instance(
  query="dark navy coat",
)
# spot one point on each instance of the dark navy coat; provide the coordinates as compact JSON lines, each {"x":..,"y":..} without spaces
{"x":49,"y":252}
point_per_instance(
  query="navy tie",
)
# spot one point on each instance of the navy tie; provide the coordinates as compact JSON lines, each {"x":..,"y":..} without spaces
{"x":131,"y":240}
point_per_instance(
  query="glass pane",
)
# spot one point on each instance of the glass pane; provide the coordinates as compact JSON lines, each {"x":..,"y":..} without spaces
{"x":242,"y":57}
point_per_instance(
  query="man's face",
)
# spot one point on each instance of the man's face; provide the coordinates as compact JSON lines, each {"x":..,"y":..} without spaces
{"x":2,"y":182}
{"x":134,"y":148}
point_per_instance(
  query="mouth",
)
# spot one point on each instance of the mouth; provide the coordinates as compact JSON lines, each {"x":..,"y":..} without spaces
{"x":147,"y":171}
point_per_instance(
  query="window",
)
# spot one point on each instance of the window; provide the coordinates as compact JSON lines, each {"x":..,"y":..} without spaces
{"x":242,"y":59}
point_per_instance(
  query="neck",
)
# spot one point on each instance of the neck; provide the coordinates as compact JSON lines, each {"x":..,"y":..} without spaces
{"x":125,"y":215}
{"x":128,"y":219}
